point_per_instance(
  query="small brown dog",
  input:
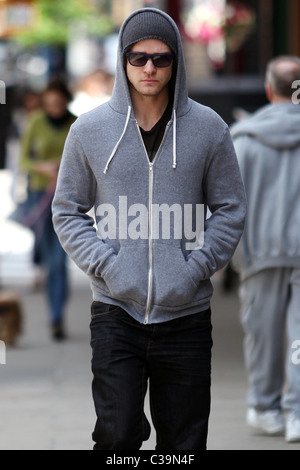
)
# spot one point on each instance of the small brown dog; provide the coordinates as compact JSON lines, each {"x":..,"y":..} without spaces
{"x":10,"y":317}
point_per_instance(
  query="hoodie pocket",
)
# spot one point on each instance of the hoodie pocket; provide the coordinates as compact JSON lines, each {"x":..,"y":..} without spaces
{"x":127,"y":278}
{"x":173,"y":284}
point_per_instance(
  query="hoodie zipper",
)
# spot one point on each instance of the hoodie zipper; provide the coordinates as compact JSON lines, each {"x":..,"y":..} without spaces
{"x":150,"y":271}
{"x":150,"y":277}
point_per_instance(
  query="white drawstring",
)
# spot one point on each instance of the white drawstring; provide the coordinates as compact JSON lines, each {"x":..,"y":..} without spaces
{"x":174,"y":142}
{"x":123,"y":133}
{"x":119,"y":141}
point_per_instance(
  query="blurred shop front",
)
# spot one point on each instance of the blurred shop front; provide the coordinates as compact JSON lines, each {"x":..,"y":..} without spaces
{"x":255,"y":31}
{"x":227,"y":45}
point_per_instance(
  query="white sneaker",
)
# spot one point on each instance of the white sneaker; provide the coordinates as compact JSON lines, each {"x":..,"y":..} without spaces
{"x":292,"y":433}
{"x":269,"y":422}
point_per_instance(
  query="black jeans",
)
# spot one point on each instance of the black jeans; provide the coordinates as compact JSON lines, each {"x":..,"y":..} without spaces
{"x":176,"y":358}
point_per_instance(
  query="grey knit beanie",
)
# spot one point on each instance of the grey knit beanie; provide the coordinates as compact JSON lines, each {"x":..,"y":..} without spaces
{"x":148,"y":24}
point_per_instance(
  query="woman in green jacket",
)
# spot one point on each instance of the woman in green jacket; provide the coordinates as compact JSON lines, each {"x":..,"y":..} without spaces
{"x":42,"y":147}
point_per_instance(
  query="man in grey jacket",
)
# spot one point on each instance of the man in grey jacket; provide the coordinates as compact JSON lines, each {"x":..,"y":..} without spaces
{"x":268,"y":255}
{"x":150,"y":161}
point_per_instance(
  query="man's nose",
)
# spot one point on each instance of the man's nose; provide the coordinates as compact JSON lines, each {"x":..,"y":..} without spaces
{"x":149,"y":66}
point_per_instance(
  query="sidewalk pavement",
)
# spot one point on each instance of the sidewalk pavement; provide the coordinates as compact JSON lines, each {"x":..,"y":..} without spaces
{"x":45,"y":387}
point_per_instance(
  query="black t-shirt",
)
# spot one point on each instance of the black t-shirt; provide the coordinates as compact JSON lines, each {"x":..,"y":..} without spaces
{"x":152,"y":139}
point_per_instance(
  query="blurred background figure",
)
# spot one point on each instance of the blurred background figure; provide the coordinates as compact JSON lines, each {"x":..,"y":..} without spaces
{"x":268,"y":256}
{"x":92,"y":90}
{"x":28,"y":103}
{"x":41,"y":149}
{"x":31,"y":102}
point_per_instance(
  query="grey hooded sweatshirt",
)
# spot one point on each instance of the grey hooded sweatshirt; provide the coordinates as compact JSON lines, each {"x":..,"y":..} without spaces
{"x":135,"y":254}
{"x":268,"y":150}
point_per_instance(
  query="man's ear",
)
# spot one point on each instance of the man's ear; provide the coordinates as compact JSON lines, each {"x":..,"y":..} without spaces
{"x":269,"y":92}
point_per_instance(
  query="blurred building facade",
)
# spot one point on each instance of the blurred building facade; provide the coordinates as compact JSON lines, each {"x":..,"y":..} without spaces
{"x":225,"y":66}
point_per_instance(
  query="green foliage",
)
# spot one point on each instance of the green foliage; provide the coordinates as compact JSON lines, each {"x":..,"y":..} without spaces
{"x":54,"y":18}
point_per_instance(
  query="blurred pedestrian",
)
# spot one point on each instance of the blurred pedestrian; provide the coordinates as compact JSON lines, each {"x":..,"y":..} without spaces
{"x":93,"y":90}
{"x":268,"y":255}
{"x":28,"y":103}
{"x":150,"y":146}
{"x":41,"y":150}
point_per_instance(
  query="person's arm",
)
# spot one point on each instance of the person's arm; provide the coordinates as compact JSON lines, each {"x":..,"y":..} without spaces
{"x":227,"y":203}
{"x":74,"y":198}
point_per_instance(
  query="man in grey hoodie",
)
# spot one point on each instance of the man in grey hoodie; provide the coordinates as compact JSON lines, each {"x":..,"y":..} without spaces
{"x":150,"y":161}
{"x":268,"y":255}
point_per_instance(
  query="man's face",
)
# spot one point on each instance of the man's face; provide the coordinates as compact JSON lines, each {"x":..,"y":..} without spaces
{"x":149,"y":80}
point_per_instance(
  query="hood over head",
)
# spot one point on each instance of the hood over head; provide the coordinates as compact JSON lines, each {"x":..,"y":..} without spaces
{"x":149,"y":23}
{"x":275,"y":125}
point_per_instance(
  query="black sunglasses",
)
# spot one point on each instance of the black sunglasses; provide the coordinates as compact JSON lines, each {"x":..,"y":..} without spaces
{"x":139,"y":59}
